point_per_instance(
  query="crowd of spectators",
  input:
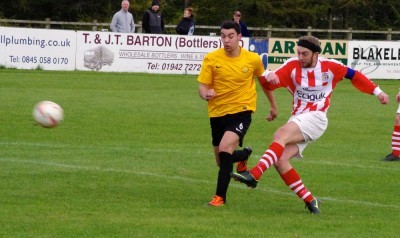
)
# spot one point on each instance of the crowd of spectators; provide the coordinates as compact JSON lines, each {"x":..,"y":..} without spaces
{"x":153,"y":21}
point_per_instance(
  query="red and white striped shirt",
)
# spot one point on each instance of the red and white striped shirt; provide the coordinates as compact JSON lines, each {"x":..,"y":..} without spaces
{"x":312,"y":87}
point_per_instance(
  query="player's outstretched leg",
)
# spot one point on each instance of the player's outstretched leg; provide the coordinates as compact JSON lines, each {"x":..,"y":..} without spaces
{"x":270,"y":156}
{"x":313,"y":206}
{"x":246,"y":178}
{"x":293,"y":181}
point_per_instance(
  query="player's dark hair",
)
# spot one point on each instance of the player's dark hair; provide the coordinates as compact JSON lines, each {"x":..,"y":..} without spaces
{"x":231,"y":25}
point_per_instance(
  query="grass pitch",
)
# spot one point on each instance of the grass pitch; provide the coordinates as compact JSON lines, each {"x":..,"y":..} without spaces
{"x":133,"y":158}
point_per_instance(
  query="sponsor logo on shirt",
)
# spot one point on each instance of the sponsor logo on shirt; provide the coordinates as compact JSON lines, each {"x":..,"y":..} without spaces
{"x":309,"y":96}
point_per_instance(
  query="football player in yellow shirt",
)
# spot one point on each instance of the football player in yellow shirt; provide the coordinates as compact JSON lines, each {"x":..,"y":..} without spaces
{"x":226,"y":81}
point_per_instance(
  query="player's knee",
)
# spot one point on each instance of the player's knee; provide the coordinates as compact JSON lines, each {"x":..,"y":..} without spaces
{"x":281,"y":137}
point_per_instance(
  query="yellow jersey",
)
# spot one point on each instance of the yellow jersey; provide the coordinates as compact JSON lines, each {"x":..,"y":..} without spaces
{"x":232,"y":79}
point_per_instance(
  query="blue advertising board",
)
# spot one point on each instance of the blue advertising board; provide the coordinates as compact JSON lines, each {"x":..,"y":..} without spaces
{"x":260,"y":46}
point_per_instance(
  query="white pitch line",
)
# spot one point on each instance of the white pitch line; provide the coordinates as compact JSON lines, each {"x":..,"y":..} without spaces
{"x":167,"y":150}
{"x":352,"y":165}
{"x":240,"y":186}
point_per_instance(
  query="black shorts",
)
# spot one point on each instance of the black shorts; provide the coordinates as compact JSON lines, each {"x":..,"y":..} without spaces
{"x":238,"y":123}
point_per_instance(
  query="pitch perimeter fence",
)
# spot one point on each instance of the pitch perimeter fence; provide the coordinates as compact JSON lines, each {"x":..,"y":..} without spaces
{"x":262,"y":32}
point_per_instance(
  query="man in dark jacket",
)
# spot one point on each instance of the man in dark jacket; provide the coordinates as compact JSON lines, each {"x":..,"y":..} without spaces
{"x":186,"y":25}
{"x":152,"y":21}
{"x":243,"y":27}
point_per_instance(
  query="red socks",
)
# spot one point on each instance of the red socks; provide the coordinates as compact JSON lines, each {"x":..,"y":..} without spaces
{"x":291,"y":177}
{"x":270,"y":156}
{"x":293,"y":181}
{"x":396,"y":141}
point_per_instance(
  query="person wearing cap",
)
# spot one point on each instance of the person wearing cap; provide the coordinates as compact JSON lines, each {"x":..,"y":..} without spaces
{"x":311,"y":80}
{"x":122,"y":20}
{"x":237,"y":16}
{"x":153,"y":21}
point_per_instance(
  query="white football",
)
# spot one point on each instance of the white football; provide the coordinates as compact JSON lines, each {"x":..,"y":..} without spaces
{"x":48,"y":114}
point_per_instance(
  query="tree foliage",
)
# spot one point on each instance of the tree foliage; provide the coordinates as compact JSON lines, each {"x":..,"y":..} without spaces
{"x":324,"y":14}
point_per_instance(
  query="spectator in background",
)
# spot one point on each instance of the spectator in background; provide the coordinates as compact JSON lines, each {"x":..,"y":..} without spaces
{"x":152,"y":21}
{"x":186,"y":25}
{"x":243,"y":28}
{"x":395,"y":155}
{"x":122,"y":20}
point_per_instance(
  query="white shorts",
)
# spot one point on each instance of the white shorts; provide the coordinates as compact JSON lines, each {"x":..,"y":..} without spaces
{"x":398,"y":109}
{"x":312,"y":126}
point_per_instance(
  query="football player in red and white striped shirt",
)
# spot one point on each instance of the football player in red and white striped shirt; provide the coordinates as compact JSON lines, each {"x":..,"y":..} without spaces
{"x":395,"y":155}
{"x":311,"y":80}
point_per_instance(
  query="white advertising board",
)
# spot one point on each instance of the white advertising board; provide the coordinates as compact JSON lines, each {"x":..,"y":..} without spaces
{"x":48,"y":49}
{"x":27,"y":48}
{"x":150,"y":53}
{"x":375,"y":59}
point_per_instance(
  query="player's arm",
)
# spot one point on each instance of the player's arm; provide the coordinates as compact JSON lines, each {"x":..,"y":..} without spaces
{"x":271,"y":77}
{"x":273,"y":111}
{"x":205,"y":92}
{"x":362,"y":83}
{"x":280,"y":77}
{"x":270,"y":80}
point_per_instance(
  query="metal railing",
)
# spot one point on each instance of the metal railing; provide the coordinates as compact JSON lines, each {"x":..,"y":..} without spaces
{"x":269,"y":31}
